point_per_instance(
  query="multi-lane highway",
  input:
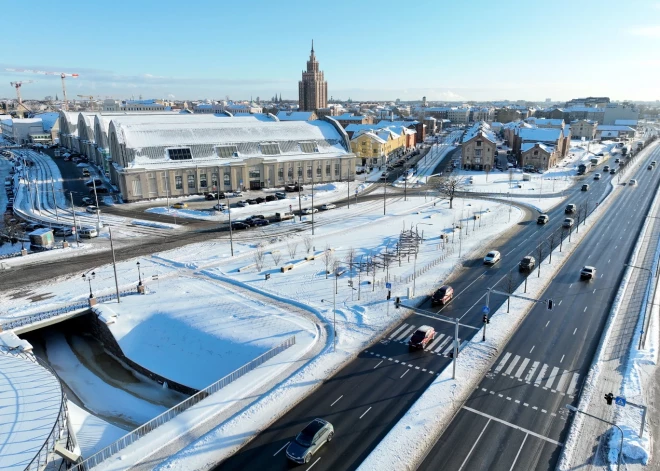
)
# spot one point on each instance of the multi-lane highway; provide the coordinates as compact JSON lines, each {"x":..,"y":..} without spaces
{"x":366,"y":398}
{"x":515,"y":419}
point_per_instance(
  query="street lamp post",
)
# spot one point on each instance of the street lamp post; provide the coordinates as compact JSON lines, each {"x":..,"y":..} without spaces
{"x":139,"y":274}
{"x":89,"y":277}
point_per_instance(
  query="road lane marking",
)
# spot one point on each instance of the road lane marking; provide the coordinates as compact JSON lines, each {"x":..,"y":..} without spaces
{"x":378,"y":364}
{"x":518,"y":454}
{"x":444,"y":342}
{"x":562,"y":358}
{"x":593,"y":293}
{"x":523,"y":365}
{"x":560,"y":302}
{"x":532,"y":348}
{"x":398,"y":331}
{"x":517,"y":427}
{"x":365,"y":412}
{"x":547,"y":323}
{"x":575,"y":331}
{"x":285,"y":445}
{"x":433,"y":344}
{"x":563,"y":379}
{"x":317,"y":460}
{"x":569,"y":286}
{"x":449,"y":348}
{"x":530,"y":373}
{"x":572,"y":386}
{"x":404,"y":373}
{"x":503,"y":362}
{"x":405,"y":333}
{"x":585,"y":307}
{"x":551,"y":378}
{"x":474,"y":445}
{"x":336,"y":401}
{"x":512,"y":365}
{"x":539,"y":378}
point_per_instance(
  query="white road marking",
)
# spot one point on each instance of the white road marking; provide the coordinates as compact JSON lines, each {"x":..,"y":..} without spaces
{"x":569,"y":286}
{"x":532,"y":348}
{"x":365,"y":412}
{"x":560,"y":302}
{"x":535,"y":408}
{"x":537,"y":382}
{"x":518,"y":454}
{"x":499,"y":395}
{"x":512,"y":426}
{"x":337,"y":400}
{"x":572,"y":386}
{"x":593,"y":293}
{"x":530,"y":373}
{"x":404,"y":373}
{"x":512,"y":365}
{"x":551,"y":378}
{"x":575,"y":331}
{"x":562,"y":358}
{"x":474,"y":445}
{"x":317,"y":460}
{"x":547,"y":323}
{"x":405,"y":333}
{"x":449,"y":348}
{"x":398,"y":331}
{"x":563,"y":379}
{"x":378,"y":364}
{"x":285,"y":445}
{"x":433,"y":344}
{"x":444,"y":342}
{"x":608,"y":260}
{"x":502,"y":363}
{"x":523,"y":365}
{"x":585,"y":307}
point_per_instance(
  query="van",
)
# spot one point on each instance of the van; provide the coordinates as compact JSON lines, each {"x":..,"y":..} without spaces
{"x":87,"y":232}
{"x":283,"y":216}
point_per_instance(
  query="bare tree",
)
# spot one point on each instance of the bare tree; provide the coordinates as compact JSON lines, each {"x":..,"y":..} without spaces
{"x":539,"y":253}
{"x":277,"y":256}
{"x":258,"y":257}
{"x":292,"y":247}
{"x":328,"y":259}
{"x":350,"y":259}
{"x":510,"y":177}
{"x":551,"y":243}
{"x":307,"y":240}
{"x":448,"y":186}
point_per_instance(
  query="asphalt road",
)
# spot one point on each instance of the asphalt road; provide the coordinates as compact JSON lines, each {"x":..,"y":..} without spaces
{"x":366,"y":398}
{"x":516,"y":420}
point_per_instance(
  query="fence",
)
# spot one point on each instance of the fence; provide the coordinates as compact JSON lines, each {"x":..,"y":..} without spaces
{"x":420,"y":271}
{"x":40,"y":316}
{"x":168,"y":415}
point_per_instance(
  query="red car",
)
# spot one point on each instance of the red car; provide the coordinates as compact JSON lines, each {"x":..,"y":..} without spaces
{"x":422,"y":337}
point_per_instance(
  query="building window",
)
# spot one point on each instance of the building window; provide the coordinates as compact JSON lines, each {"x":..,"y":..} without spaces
{"x":319,"y":171}
{"x":178,"y":183}
{"x":180,"y":154}
{"x":191,"y":182}
{"x":254,"y":173}
{"x":337,"y":168}
{"x":327,"y":169}
{"x":478,"y":143}
{"x":290,"y":173}
{"x":309,"y":170}
{"x":477,"y":152}
{"x":280,"y":173}
{"x":225,"y":152}
{"x":536,"y":152}
{"x":308,"y":147}
{"x":299,"y":170}
{"x":270,"y":148}
{"x":226,"y":179}
{"x":214,"y":181}
{"x":202,"y":180}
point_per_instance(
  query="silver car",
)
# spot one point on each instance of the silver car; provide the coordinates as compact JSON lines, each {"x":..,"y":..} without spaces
{"x":307,"y":442}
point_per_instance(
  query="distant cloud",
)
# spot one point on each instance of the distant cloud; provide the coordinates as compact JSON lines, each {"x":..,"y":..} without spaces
{"x":646,"y":31}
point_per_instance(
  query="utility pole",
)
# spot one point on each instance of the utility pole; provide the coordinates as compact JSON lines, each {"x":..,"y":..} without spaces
{"x":312,"y":198}
{"x":231,"y":236}
{"x":453,"y":375}
{"x":98,"y":211}
{"x":384,"y":196}
{"x":299,"y":201}
{"x":114,"y":264}
{"x":52,"y":186}
{"x":75,"y":224}
{"x":348,"y":188}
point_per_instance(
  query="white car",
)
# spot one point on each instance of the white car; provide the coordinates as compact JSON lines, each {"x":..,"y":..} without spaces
{"x":92,"y":209}
{"x":492,"y":257}
{"x":220,"y":207}
{"x":236,"y":194}
{"x":568,"y":222}
{"x":242,"y":204}
{"x":310,"y":210}
{"x":327,"y":206}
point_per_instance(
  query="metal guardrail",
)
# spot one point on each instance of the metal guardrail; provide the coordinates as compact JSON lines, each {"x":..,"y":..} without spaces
{"x":40,"y":316}
{"x":168,"y":415}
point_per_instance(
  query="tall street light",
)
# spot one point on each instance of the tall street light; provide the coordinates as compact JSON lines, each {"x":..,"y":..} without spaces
{"x":89,"y":277}
{"x":139,"y":274}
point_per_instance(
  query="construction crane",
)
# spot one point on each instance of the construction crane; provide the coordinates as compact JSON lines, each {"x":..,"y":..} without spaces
{"x":63,"y":76}
{"x":17,"y":86}
{"x":88,"y":97}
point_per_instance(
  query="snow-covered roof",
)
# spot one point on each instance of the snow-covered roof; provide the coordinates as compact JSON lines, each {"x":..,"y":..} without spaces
{"x":545,"y":121}
{"x":530,"y":145}
{"x":348,"y":117}
{"x":540,"y":134}
{"x":625,"y":122}
{"x":26,"y":121}
{"x":386,"y":123}
{"x":295,"y":115}
{"x":585,"y":109}
{"x":480,"y":127}
{"x":372,"y":136}
{"x":611,"y":127}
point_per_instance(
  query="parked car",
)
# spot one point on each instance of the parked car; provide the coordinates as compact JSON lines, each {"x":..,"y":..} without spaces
{"x":442,"y":295}
{"x":568,"y":222}
{"x":92,"y":209}
{"x":422,"y":337}
{"x":242,"y":204}
{"x":87,"y":200}
{"x":62,"y":231}
{"x":527,"y":263}
{"x":340,"y":270}
{"x":280,"y":195}
{"x":220,"y":207}
{"x":492,"y":257}
{"x":310,"y":210}
{"x":180,"y":205}
{"x":261,"y":222}
{"x":587,"y":273}
{"x":239,"y":225}
{"x":252,"y":201}
{"x":317,"y":433}
{"x":260,"y":200}
{"x":271,"y":198}
{"x":88,"y":232}
{"x":327,"y":206}
{"x":214,"y":196}
{"x":570,"y":208}
{"x":542,"y":219}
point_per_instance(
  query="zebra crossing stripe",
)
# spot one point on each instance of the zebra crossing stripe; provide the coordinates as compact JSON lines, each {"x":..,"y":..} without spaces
{"x":444,"y":342}
{"x":539,"y":378}
{"x":532,"y":370}
{"x":551,"y":378}
{"x":523,"y":365}
{"x":397,"y":331}
{"x":435,"y":342}
{"x":512,"y":365}
{"x":572,"y":386}
{"x":449,"y":348}
{"x":405,"y":333}
{"x":563,"y":379}
{"x":503,"y":362}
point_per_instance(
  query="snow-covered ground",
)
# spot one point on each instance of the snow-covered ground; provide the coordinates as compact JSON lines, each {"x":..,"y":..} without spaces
{"x":93,"y":434}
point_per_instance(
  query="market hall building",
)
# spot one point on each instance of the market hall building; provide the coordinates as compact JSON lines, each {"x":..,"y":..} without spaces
{"x":170,"y":154}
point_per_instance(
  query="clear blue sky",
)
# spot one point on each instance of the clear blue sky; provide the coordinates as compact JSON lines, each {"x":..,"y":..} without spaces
{"x":466,"y":50}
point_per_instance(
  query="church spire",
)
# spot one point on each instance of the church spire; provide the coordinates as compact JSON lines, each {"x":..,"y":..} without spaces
{"x":312,"y":47}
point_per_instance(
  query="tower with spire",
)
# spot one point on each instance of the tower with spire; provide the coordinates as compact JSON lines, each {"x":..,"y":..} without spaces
{"x":312,"y":89}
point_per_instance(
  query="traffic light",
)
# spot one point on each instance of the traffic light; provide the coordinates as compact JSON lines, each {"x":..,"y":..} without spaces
{"x":389,"y":294}
{"x":486,"y":319}
{"x":609,"y":397}
{"x":550,"y":304}
{"x":397,"y":302}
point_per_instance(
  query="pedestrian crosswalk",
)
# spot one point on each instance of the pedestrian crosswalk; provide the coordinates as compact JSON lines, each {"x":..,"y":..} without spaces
{"x":539,"y":374}
{"x":441,"y":345}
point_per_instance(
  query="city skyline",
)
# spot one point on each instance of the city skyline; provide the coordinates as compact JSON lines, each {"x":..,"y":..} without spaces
{"x":551,"y":53}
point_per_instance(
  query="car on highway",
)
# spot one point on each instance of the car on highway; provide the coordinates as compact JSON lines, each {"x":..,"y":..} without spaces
{"x":96,"y":181}
{"x":328,"y":206}
{"x":585,"y":187}
{"x":180,"y":205}
{"x":316,"y":434}
{"x":492,"y":257}
{"x":653,"y":163}
{"x":570,"y":208}
{"x":588,"y":272}
{"x":242,"y":204}
{"x":542,"y":219}
{"x":85,"y":172}
{"x":568,"y":222}
{"x":632,"y":182}
{"x":220,"y":207}
{"x":92,"y":209}
{"x":650,"y":167}
{"x":422,"y":337}
{"x":442,"y":295}
{"x":239,"y":225}
{"x":597,"y":176}
{"x":606,"y":168}
{"x":383,"y":176}
{"x":612,"y":171}
{"x":616,"y":161}
{"x":255,"y":217}
{"x":527,"y":263}
{"x":280,"y":195}
{"x":310,"y":210}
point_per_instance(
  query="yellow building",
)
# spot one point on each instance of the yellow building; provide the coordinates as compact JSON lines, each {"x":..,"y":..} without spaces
{"x":377,"y":147}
